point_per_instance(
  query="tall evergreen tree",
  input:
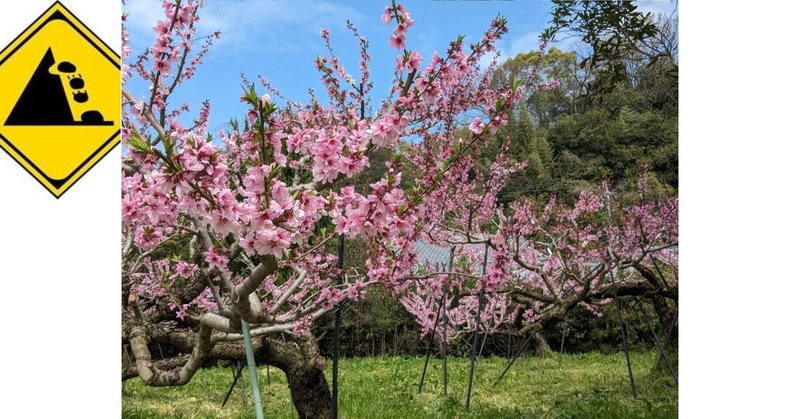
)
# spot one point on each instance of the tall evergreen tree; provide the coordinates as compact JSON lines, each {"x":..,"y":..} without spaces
{"x":545,"y":154}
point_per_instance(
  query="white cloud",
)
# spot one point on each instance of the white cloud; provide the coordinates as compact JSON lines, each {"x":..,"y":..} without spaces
{"x":528,"y":41}
{"x":142,"y":16}
{"x":525,"y":43}
{"x":655,"y":7}
{"x":429,"y":40}
{"x":252,"y":25}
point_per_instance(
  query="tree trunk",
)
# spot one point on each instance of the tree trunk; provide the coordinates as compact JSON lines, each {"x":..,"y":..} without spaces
{"x":666,"y":313}
{"x":310,"y":394}
{"x":541,"y":345}
{"x":304,"y":367}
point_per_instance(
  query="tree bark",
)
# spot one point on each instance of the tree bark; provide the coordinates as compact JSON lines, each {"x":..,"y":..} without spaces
{"x":541,"y":345}
{"x":304,"y":368}
{"x":666,"y":314}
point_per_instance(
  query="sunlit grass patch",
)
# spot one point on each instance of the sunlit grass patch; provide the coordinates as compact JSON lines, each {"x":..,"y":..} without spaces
{"x":584,"y":386}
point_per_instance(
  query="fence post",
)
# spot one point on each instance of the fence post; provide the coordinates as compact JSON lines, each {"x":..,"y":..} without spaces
{"x":563,"y":337}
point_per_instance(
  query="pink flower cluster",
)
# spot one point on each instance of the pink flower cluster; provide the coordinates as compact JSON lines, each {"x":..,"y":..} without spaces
{"x":404,"y":22}
{"x":329,"y":297}
{"x":215,"y":259}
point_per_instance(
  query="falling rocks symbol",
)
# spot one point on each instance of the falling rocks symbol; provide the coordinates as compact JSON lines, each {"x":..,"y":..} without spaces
{"x":44,"y":101}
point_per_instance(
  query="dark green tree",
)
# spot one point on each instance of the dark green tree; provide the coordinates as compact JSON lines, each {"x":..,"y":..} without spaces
{"x":615,"y":31}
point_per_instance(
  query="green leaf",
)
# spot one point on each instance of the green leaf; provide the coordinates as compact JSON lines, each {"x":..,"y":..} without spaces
{"x":138,"y":144}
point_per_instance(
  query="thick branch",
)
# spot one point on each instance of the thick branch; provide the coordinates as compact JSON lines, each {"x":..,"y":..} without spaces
{"x":154,"y":376}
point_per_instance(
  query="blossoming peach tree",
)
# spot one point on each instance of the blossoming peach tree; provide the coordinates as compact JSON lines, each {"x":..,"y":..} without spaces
{"x":543,"y":259}
{"x":220,"y":228}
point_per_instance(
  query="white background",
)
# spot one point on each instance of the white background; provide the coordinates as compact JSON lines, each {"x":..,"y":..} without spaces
{"x":59,"y":259}
{"x":60,"y":268}
{"x":739,"y":187}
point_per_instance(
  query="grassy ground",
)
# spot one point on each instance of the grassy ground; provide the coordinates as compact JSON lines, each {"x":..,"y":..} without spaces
{"x":585,"y":386}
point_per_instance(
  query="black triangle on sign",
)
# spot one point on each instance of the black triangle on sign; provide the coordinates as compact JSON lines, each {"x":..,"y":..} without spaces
{"x":43,"y":102}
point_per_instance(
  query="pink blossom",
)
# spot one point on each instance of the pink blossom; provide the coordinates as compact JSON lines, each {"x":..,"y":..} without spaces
{"x":184,"y":15}
{"x":303,"y":326}
{"x":386,"y":17}
{"x":357,"y":291}
{"x":147,"y":238}
{"x":161,"y":67}
{"x":161,"y":45}
{"x":476,"y":126}
{"x":414,"y":60}
{"x":215,"y":260}
{"x":161,"y":28}
{"x":397,"y":41}
{"x":330,"y":297}
{"x":271,"y":241}
{"x":185,"y":270}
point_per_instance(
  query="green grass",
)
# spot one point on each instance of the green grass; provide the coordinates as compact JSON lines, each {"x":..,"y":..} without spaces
{"x":585,"y":386}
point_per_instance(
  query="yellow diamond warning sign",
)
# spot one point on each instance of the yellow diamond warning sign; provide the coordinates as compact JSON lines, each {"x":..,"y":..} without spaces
{"x":60,"y":102}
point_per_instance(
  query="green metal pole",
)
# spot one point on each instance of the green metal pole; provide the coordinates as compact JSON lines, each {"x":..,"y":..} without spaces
{"x":477,"y":331}
{"x":622,"y":328}
{"x":337,"y":330}
{"x":251,"y":367}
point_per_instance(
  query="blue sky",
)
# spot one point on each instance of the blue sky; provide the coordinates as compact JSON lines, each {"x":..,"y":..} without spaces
{"x":279,"y":39}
